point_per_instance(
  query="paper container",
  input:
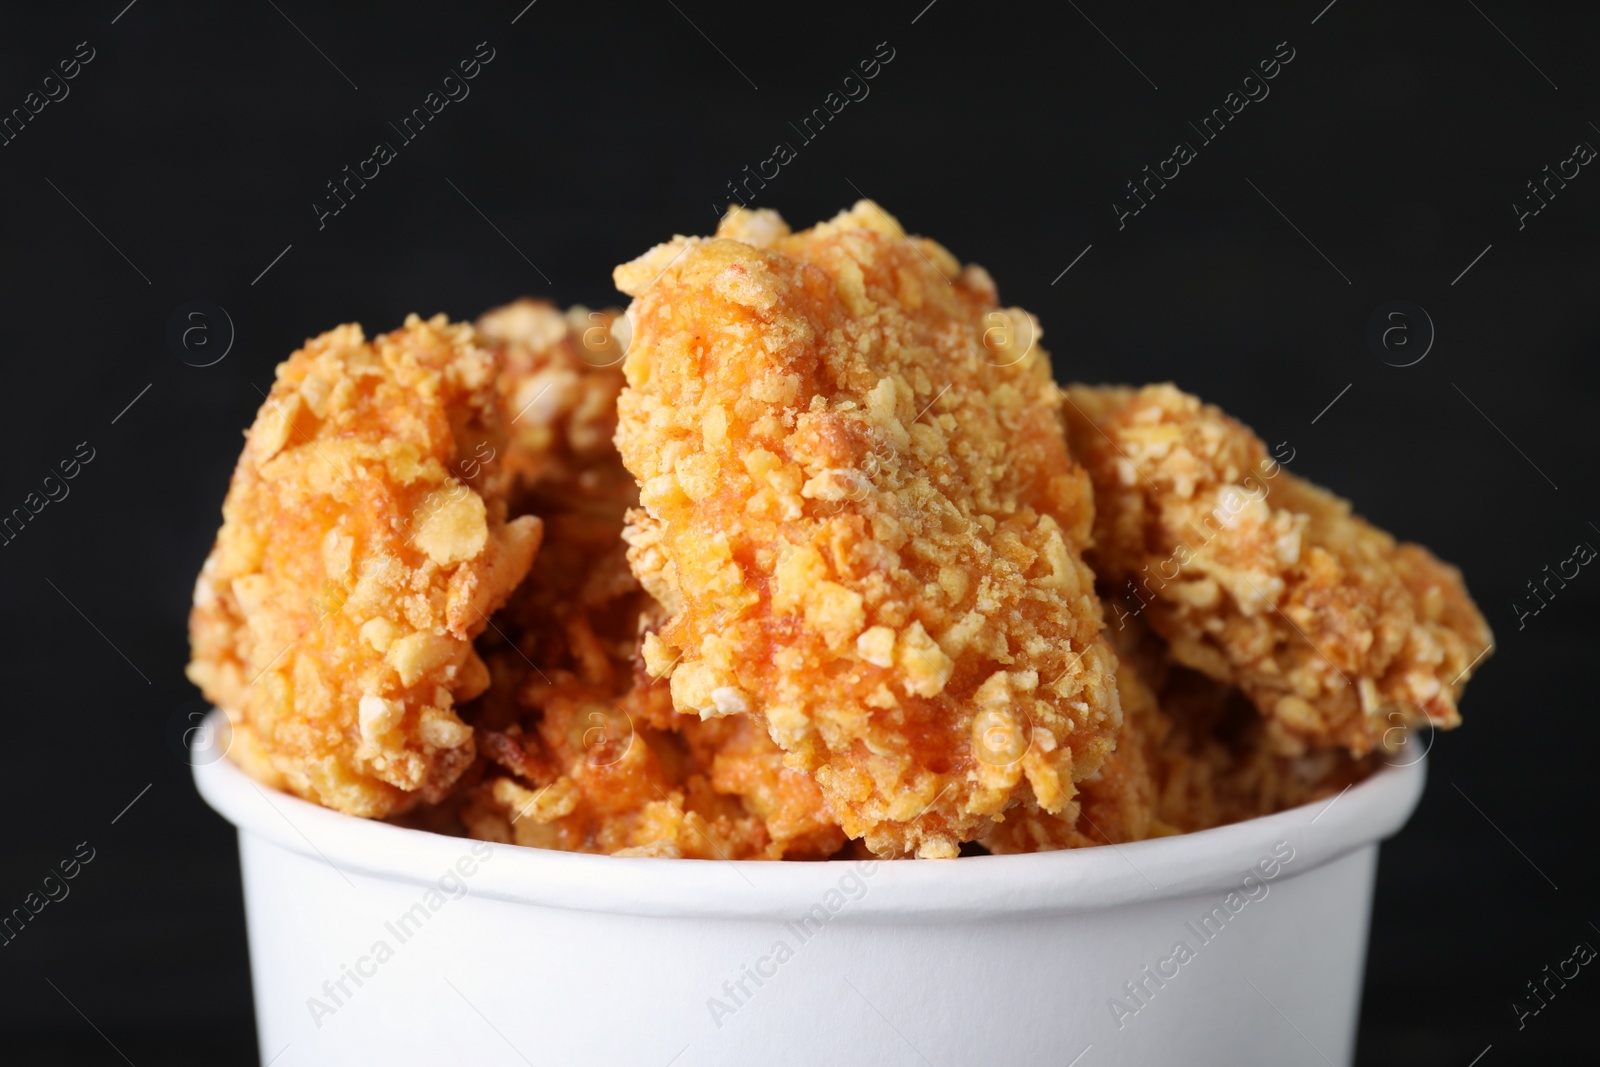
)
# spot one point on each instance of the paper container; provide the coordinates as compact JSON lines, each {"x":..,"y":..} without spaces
{"x":549,"y":957}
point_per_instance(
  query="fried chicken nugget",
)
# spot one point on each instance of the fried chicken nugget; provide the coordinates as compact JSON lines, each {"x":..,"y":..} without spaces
{"x":571,"y":719}
{"x":859,"y":508}
{"x":1259,"y":579}
{"x":364,"y":544}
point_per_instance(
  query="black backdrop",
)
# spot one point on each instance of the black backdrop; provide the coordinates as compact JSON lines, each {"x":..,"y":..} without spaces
{"x":183,"y":160}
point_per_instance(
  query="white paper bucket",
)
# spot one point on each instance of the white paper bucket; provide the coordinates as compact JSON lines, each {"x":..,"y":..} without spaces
{"x":1240,"y":945}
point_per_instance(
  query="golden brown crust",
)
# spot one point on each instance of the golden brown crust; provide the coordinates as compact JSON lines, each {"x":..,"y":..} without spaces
{"x":1260,"y":579}
{"x":866,"y":522}
{"x":364,"y":544}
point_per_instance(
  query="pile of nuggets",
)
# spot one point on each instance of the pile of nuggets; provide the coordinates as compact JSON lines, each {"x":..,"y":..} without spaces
{"x":805,"y":555}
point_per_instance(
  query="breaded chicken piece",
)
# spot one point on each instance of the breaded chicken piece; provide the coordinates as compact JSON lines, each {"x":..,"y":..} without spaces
{"x":1192,"y":754}
{"x":1259,"y":579}
{"x":571,"y":718}
{"x":364,"y":544}
{"x":859,"y":508}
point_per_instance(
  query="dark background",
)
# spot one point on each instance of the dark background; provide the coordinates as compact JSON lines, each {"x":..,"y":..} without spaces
{"x":191,"y":149}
